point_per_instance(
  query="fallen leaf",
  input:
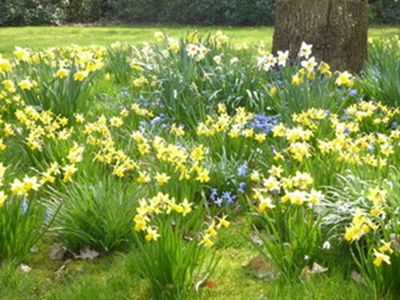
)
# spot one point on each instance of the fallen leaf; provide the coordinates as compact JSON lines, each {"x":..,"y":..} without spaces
{"x":25,"y":268}
{"x":87,"y":253}
{"x":318,"y":269}
{"x":395,"y":241}
{"x":315,"y":269}
{"x":357,"y":277}
{"x":63,"y":267}
{"x":199,"y":283}
{"x":34,"y":249}
{"x":305,"y":273}
{"x":256,"y":239}
{"x":211,"y":284}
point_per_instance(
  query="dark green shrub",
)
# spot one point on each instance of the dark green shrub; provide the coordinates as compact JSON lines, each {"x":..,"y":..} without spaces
{"x":385,"y":11}
{"x":207,"y":12}
{"x":32,"y":12}
{"x":204,"y":12}
{"x":135,"y":10}
{"x":87,"y":10}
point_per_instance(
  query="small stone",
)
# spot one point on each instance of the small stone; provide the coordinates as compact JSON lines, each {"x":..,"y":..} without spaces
{"x":57,"y":252}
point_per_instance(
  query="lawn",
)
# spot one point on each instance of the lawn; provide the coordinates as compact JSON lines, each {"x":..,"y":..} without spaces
{"x":43,"y":37}
{"x":115,"y":277}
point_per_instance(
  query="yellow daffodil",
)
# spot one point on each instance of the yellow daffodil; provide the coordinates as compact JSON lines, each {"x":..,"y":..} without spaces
{"x":81,"y":75}
{"x":3,"y":198}
{"x":344,"y":79}
{"x":61,"y":73}
{"x":152,"y":234}
{"x":5,"y":65}
{"x":265,"y":203}
{"x":25,"y":84}
{"x":206,"y":240}
{"x":161,"y":178}
{"x":380,"y":257}
{"x":69,"y":171}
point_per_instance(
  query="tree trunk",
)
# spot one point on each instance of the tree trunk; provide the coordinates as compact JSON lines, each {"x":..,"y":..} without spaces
{"x":337,"y":29}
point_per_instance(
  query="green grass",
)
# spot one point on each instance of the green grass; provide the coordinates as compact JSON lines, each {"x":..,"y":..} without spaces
{"x":43,"y":37}
{"x":115,"y":277}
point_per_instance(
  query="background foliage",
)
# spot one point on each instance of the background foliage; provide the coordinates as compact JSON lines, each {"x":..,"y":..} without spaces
{"x":202,"y":12}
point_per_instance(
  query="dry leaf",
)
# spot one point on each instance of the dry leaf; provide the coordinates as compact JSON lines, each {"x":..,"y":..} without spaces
{"x":87,"y":253}
{"x":318,"y":269}
{"x":305,"y":273}
{"x":199,"y":283}
{"x":256,"y":239}
{"x":315,"y":269}
{"x":357,"y":277}
{"x":34,"y":249}
{"x":63,"y":267}
{"x":25,"y":268}
{"x":210,"y":284}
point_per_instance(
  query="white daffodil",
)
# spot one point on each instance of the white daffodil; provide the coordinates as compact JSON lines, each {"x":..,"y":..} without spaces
{"x":192,"y":49}
{"x":305,"y":50}
{"x":283,"y":57}
{"x":310,"y":64}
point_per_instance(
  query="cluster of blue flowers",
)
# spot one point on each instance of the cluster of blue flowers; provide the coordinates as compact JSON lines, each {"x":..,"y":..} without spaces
{"x":346,"y":117}
{"x":263,"y":123}
{"x":157,"y":122}
{"x":242,"y":170}
{"x":223,"y":198}
{"x":124,"y":93}
{"x":227,"y":197}
{"x":242,"y":187}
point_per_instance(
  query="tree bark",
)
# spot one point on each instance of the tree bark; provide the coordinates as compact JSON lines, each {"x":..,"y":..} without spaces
{"x":337,"y":29}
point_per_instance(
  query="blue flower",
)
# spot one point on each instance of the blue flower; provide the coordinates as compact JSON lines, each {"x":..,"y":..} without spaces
{"x":346,"y":117}
{"x":214,"y":194}
{"x":242,"y":170}
{"x":156,"y":120}
{"x":353,"y":92}
{"x":218,"y":202}
{"x":242,"y":187}
{"x":143,"y":124}
{"x":124,"y":94}
{"x":24,"y":206}
{"x":228,"y":197}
